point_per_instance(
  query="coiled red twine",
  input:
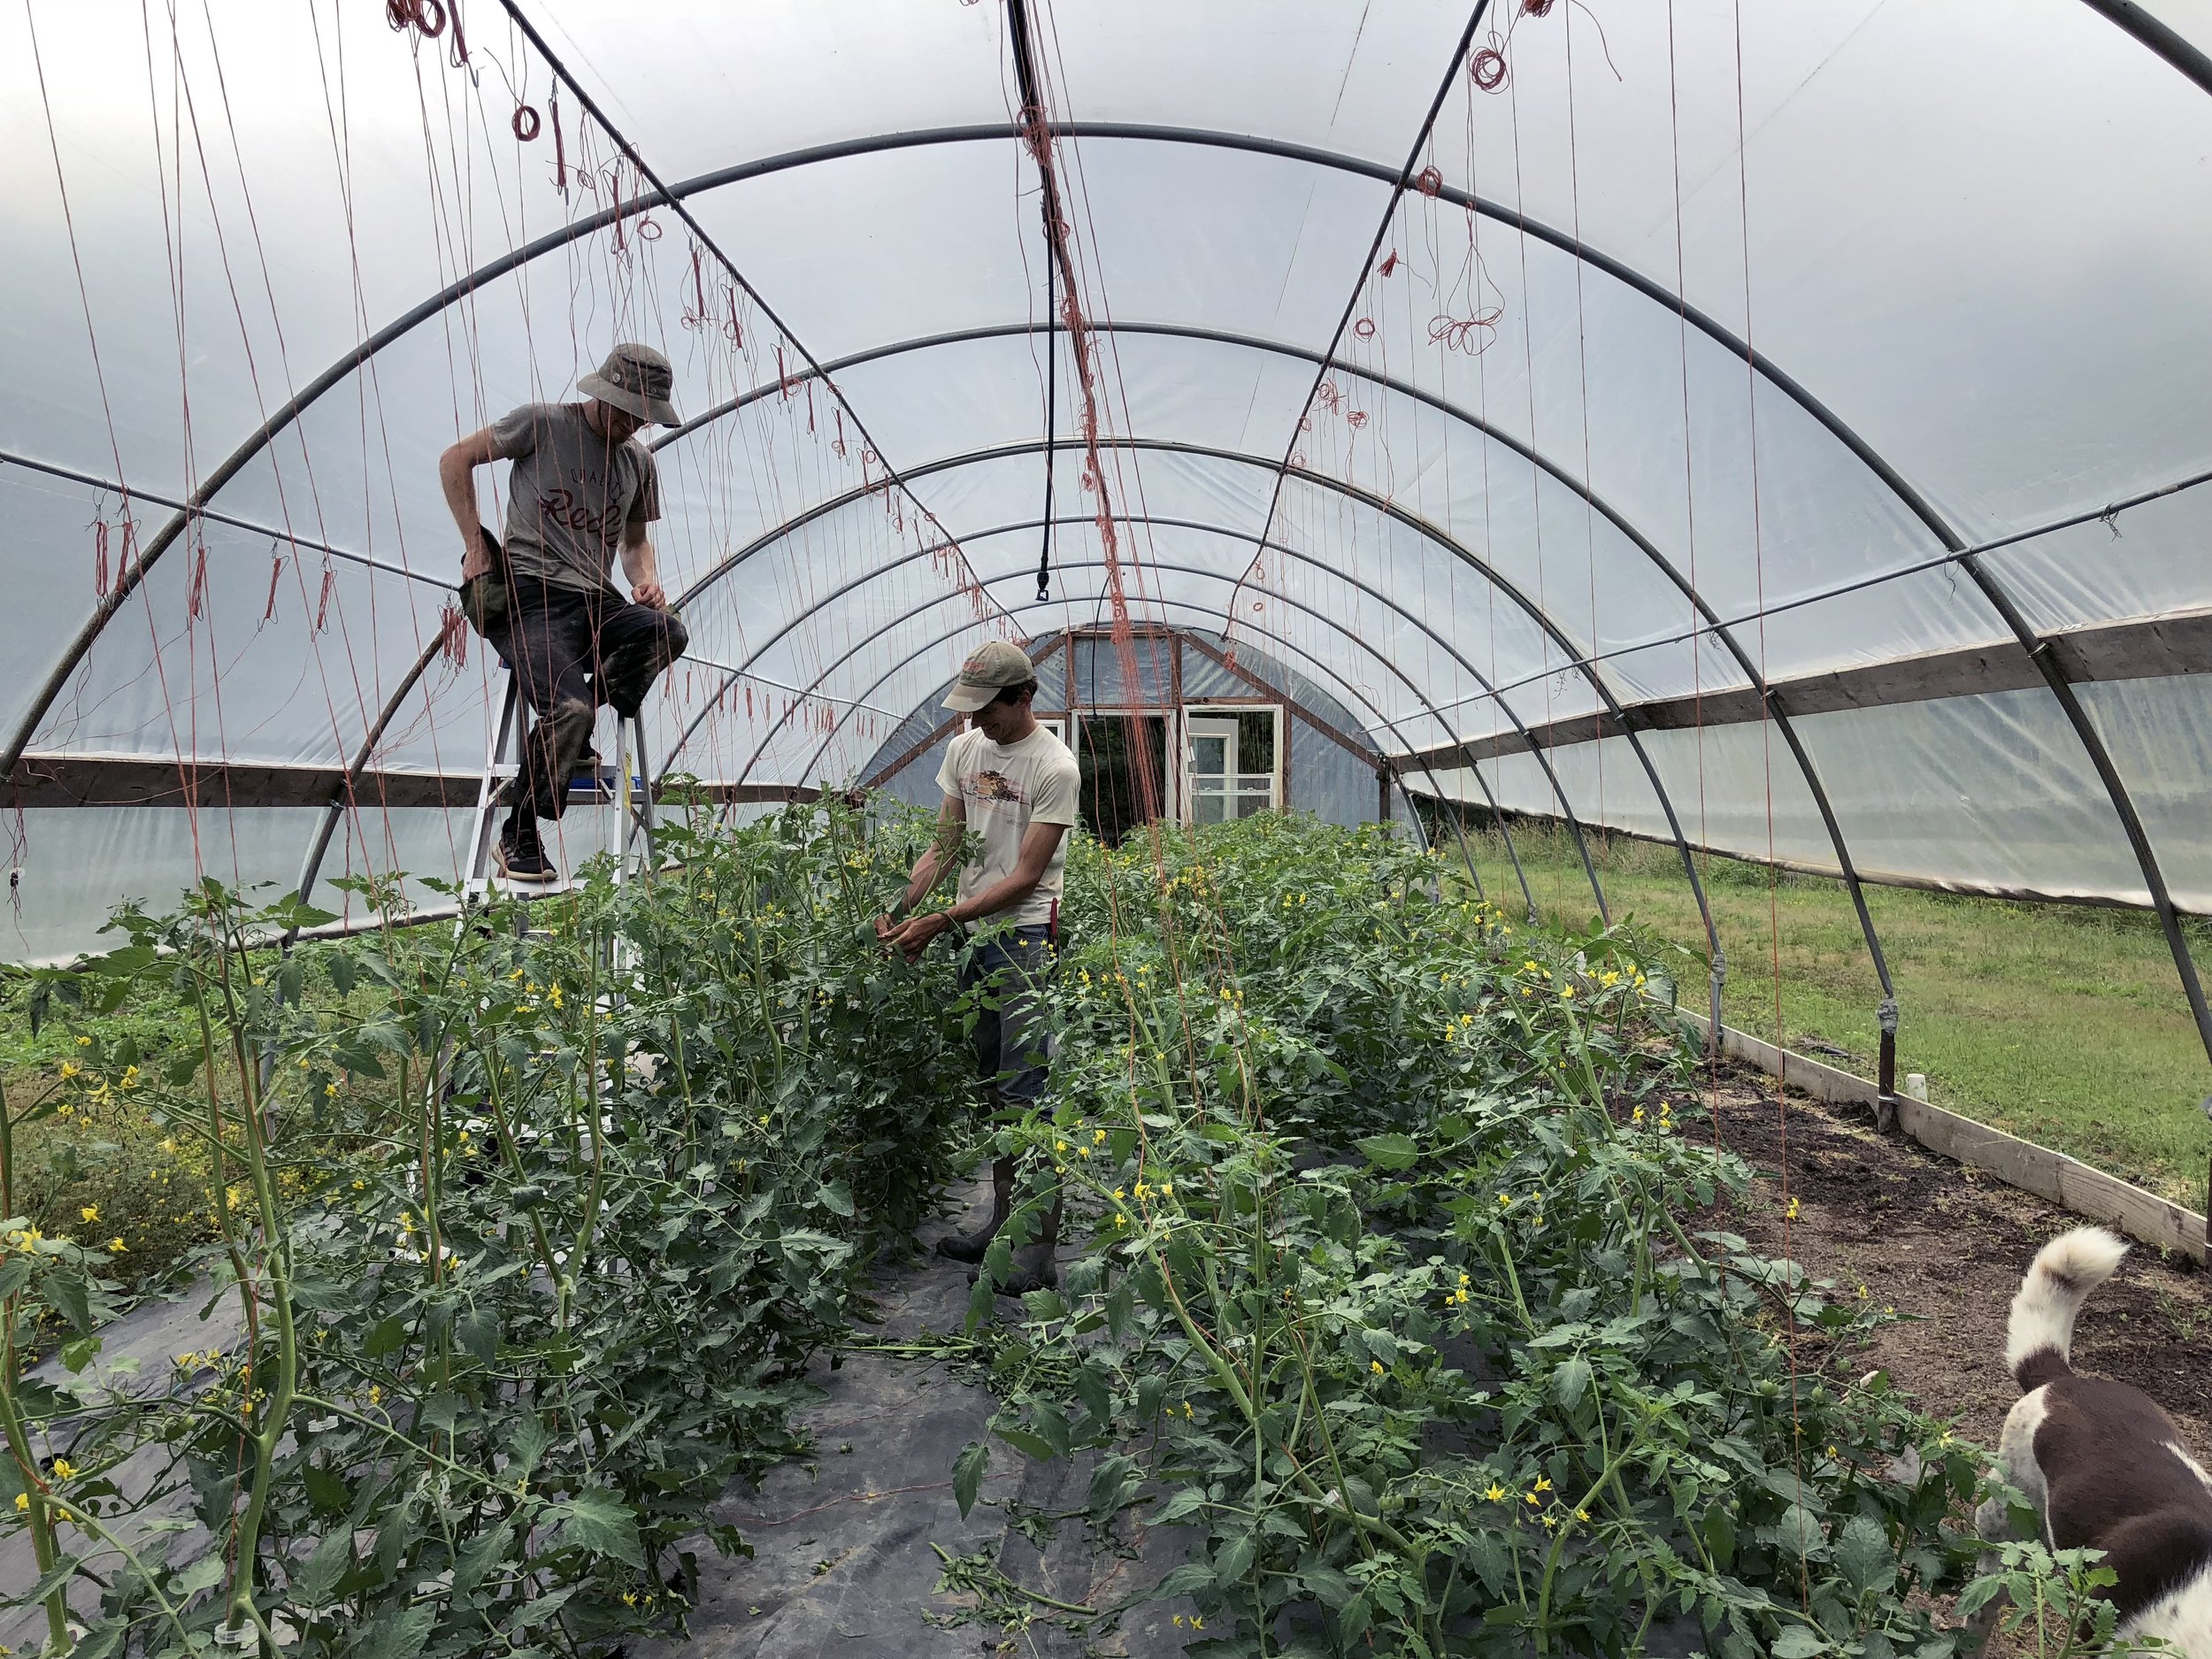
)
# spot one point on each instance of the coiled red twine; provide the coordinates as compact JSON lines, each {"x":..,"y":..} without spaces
{"x":428,"y":18}
{"x":1469,"y":334}
{"x":1487,"y":68}
{"x":526,"y":122}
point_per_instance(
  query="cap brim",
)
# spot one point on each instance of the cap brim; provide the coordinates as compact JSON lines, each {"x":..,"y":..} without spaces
{"x":968,"y":699}
{"x":656,"y":410}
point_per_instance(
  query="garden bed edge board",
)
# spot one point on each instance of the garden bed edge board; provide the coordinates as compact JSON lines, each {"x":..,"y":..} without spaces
{"x":2065,"y":1181}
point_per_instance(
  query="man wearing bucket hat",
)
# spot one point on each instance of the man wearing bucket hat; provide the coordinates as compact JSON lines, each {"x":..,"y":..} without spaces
{"x":1015,"y":784}
{"x":579,"y":493}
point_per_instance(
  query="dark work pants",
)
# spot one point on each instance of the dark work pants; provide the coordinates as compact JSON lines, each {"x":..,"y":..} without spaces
{"x":571,"y":651}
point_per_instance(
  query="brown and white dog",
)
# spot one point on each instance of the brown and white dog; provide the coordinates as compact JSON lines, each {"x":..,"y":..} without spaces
{"x":2100,"y":1461}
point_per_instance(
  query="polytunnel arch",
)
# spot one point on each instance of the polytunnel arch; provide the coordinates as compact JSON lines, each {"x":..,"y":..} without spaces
{"x":1535,"y":748}
{"x":2147,"y":30}
{"x":675,"y":195}
{"x":1339,"y":686}
{"x":1365,"y":498}
{"x":1526,"y":450}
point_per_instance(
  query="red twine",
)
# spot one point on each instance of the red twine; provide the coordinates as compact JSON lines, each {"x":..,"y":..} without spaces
{"x":425,"y":16}
{"x":453,"y":635}
{"x":1469,"y":334}
{"x":1488,"y":69}
{"x":526,"y":122}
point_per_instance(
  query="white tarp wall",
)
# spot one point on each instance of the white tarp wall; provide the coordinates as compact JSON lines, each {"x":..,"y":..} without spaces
{"x":1690,"y":348}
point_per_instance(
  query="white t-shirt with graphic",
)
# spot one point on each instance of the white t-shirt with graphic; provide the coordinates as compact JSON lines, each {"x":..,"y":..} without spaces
{"x":1005,"y":789}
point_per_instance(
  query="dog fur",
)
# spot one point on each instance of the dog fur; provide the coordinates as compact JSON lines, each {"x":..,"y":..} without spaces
{"x":2102,"y":1462}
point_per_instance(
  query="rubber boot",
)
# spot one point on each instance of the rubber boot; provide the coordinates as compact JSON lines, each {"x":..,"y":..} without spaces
{"x":969,"y":1247}
{"x":1036,"y":1265}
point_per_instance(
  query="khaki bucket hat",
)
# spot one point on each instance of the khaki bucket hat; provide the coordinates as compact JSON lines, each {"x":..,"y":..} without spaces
{"x":637,"y":379}
{"x":995,"y":666}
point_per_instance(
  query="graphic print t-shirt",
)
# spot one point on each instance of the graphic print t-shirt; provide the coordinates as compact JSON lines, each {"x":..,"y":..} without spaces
{"x":1005,"y":790}
{"x":569,"y":495}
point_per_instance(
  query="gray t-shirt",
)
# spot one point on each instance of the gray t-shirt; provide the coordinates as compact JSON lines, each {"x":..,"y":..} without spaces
{"x":569,"y":495}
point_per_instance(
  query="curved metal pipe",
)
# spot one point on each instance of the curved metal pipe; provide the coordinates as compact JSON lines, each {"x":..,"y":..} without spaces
{"x":1312,"y":661}
{"x":1391,"y":511}
{"x":1345,"y":685}
{"x":1567,"y":811}
{"x":874,"y":144}
{"x":2173,"y":47}
{"x":1636,"y":538}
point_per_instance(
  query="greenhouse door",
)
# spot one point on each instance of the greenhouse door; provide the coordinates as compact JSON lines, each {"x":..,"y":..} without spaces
{"x":1123,"y":762}
{"x":1229,"y":762}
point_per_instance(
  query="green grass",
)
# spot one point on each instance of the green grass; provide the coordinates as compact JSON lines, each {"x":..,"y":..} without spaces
{"x":2061,"y":1023}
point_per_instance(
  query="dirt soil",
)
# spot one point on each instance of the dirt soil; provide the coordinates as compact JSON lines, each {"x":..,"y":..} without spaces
{"x":1947,"y":1244}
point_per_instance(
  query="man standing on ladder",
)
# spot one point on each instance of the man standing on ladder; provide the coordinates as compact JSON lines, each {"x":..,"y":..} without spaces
{"x":581,"y":490}
{"x":1016,"y":785}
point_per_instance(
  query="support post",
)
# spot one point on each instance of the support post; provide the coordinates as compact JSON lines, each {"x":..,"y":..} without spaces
{"x":1885,"y":1072}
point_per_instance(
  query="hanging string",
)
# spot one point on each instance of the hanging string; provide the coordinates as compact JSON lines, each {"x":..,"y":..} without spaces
{"x":1052,"y":402}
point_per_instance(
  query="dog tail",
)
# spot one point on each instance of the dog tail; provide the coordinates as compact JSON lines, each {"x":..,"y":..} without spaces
{"x":2040,"y":1338}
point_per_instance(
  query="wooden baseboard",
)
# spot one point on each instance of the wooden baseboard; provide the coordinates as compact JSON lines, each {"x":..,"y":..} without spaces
{"x":2067,"y":1182}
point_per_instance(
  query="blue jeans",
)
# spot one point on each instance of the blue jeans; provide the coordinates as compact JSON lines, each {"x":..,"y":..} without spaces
{"x":1013,"y":1049}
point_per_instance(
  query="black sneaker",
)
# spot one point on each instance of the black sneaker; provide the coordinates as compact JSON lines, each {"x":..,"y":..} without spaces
{"x":525,"y":863}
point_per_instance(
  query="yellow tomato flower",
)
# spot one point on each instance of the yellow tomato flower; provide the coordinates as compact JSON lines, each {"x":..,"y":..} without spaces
{"x":90,"y":1213}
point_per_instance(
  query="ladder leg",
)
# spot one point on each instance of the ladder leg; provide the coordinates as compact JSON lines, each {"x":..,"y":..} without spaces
{"x":638,"y":829}
{"x":502,"y":746}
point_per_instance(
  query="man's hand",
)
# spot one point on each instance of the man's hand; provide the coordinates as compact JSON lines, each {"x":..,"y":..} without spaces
{"x":649,"y":593}
{"x":885,"y":928}
{"x":913,"y":935}
{"x":476,"y":555}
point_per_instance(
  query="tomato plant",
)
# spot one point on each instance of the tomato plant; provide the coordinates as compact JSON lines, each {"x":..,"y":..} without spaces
{"x":1392,"y":1283}
{"x":1393,"y":1290}
{"x":531,"y":1226}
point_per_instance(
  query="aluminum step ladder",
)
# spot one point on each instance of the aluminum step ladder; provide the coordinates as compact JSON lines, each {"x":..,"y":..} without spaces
{"x":624,"y":783}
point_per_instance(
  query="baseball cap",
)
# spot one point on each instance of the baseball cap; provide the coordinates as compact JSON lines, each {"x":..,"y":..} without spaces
{"x":992,"y":668}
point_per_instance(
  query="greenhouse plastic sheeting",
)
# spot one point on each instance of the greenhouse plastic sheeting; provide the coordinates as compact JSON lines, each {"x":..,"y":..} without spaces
{"x":1612,"y":380}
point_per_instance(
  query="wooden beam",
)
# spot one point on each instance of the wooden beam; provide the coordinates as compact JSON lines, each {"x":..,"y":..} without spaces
{"x":79,"y":781}
{"x":73,"y":780}
{"x":2158,"y":648}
